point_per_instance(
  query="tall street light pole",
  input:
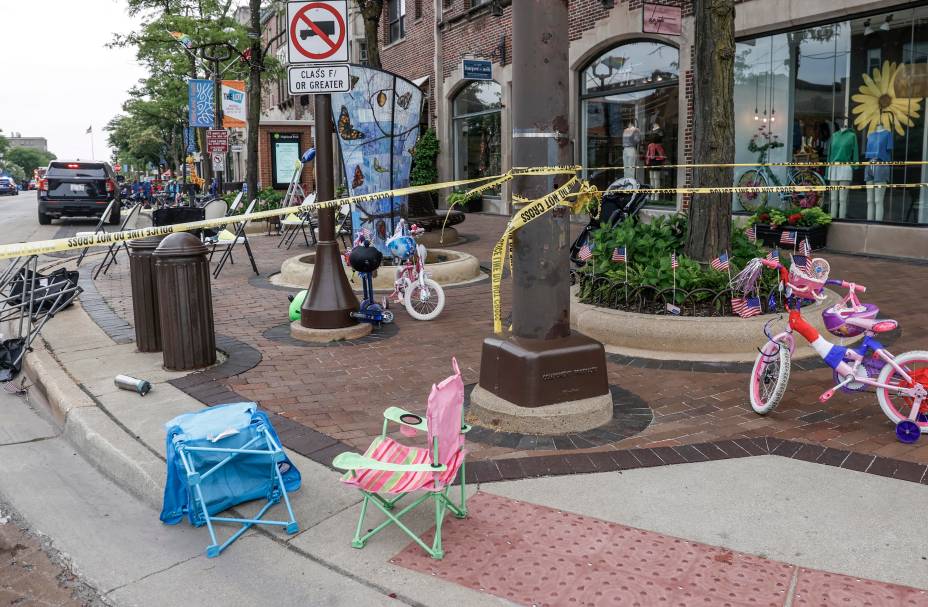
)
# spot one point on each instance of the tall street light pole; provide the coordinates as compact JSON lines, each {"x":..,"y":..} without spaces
{"x":330,"y":300}
{"x":542,"y":362}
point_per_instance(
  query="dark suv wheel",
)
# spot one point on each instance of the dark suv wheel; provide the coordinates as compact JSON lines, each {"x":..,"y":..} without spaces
{"x":44,"y":219}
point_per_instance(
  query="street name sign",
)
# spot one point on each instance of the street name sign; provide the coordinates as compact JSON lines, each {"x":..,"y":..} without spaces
{"x":313,"y":79}
{"x":477,"y":69}
{"x":317,"y":31}
{"x":217,"y":140}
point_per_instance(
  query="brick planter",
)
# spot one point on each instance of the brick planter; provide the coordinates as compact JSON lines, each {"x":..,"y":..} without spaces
{"x":770,"y":235}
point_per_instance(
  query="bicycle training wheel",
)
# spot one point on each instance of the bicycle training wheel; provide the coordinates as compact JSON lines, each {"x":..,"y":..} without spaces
{"x":896,"y":406}
{"x":769,"y":377}
{"x":425,"y":302}
{"x":749,"y":201}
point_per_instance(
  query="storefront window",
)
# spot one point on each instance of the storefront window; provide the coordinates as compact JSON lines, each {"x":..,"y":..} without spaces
{"x":476,"y":118}
{"x":629,"y":116}
{"x":833,"y":93}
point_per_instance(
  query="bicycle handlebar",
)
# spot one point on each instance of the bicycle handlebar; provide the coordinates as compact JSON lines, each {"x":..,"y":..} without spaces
{"x":850,"y":286}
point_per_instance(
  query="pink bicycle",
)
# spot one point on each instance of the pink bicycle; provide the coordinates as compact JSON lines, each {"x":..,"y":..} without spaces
{"x":900,"y":382}
{"x":423,"y":297}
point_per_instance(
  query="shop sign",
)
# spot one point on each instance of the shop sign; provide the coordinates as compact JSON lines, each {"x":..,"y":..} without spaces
{"x":662,"y":19}
{"x":478,"y":69}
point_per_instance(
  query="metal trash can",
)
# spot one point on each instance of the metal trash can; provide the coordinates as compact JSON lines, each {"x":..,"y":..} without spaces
{"x":185,"y":302}
{"x":145,"y":293}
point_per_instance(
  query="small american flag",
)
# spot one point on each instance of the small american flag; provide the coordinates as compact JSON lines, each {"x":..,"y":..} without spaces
{"x":673,"y":261}
{"x":788,"y":237}
{"x":720,"y":263}
{"x":586,"y":251}
{"x":618,"y":254}
{"x":805,"y":248}
{"x":774,"y":255}
{"x":746,"y":307}
{"x":803,"y":262}
{"x":752,"y":234}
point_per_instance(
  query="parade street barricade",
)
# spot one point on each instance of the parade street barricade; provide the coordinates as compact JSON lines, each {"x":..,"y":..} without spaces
{"x":220,"y":457}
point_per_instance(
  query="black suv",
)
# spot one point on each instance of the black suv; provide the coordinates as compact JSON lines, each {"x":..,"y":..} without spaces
{"x":78,"y":189}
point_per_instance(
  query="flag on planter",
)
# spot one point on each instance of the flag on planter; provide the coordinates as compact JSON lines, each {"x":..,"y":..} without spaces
{"x":774,"y":255}
{"x":586,"y":252}
{"x":720,"y":263}
{"x":746,"y":307}
{"x":788,"y":237}
{"x":805,"y":248}
{"x":752,"y":234}
{"x":618,"y":254}
{"x":673,"y":261}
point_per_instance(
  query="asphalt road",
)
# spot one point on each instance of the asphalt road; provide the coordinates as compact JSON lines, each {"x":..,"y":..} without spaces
{"x":31,"y":571}
{"x":19,"y":221}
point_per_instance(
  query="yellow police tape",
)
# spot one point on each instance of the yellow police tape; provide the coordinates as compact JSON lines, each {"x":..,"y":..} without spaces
{"x":532,"y":209}
{"x":729,"y":165}
{"x":530,"y":212}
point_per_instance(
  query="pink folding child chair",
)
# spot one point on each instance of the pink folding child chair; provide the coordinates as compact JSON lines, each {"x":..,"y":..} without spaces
{"x":389,"y":470}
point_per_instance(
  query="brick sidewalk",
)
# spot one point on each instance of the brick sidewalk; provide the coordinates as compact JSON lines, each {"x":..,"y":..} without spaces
{"x":341,"y":391}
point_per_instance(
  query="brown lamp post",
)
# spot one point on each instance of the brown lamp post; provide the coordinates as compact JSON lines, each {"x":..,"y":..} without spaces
{"x":542,"y":378}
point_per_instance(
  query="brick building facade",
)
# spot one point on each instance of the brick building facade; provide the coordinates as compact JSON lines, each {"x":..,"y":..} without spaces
{"x":438,"y":34}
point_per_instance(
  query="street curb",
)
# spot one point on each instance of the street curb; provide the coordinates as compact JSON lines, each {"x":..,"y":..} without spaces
{"x":105,"y":444}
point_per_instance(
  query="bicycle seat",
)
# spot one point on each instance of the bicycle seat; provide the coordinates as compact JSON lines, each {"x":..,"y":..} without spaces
{"x":883,"y":325}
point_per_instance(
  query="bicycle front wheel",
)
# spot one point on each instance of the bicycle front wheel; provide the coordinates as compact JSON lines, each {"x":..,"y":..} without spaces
{"x":749,"y":201}
{"x":425,"y":302}
{"x":769,"y":377}
{"x":896,"y":406}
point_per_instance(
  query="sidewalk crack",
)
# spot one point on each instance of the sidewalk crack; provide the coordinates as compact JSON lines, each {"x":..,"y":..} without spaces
{"x":148,"y":575}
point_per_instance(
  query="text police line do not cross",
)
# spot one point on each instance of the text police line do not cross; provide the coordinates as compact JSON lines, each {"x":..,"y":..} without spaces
{"x":310,"y":79}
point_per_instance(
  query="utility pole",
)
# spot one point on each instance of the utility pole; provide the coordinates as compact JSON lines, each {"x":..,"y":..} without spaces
{"x":216,"y":53}
{"x":541,"y":363}
{"x":330,"y":300}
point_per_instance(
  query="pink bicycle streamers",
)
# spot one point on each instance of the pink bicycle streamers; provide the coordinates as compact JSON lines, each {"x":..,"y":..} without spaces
{"x":745,"y":281}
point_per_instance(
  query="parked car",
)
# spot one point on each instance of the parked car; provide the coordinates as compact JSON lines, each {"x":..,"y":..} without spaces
{"x":8,"y":186}
{"x":78,"y":189}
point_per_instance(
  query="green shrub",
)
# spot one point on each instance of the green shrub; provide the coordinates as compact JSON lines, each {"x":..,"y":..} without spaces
{"x":424,"y":166}
{"x":648,"y":249}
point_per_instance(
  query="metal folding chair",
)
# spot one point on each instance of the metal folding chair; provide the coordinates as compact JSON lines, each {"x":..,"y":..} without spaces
{"x":228,"y":240}
{"x":106,"y":215}
{"x":28,"y":300}
{"x":296,"y":223}
{"x":220,"y":457}
{"x":110,"y":258}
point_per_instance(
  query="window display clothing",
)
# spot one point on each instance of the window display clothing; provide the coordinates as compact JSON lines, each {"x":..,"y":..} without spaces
{"x":631,"y":138}
{"x":842,"y":147}
{"x":879,"y":149}
{"x":654,"y":157}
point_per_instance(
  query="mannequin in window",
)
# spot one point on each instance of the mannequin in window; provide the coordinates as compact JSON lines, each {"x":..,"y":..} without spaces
{"x":842,"y":147}
{"x":631,"y":139}
{"x":655,"y":157}
{"x":879,"y":149}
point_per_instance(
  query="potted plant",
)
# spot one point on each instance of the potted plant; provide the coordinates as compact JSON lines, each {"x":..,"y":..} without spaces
{"x":808,"y":223}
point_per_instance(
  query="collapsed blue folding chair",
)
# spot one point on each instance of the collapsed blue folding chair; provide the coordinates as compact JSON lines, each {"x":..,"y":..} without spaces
{"x":220,"y":457}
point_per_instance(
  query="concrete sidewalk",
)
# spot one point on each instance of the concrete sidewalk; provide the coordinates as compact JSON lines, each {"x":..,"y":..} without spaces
{"x":813,"y":516}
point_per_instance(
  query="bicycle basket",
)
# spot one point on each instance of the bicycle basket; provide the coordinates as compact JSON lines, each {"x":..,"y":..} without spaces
{"x":810,"y":286}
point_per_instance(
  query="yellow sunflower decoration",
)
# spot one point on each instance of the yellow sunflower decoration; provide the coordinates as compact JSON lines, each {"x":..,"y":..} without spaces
{"x":877,"y":102}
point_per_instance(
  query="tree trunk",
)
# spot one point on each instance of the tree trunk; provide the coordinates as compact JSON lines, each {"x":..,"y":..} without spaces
{"x":254,"y":100}
{"x":371,"y":11}
{"x":714,"y":129}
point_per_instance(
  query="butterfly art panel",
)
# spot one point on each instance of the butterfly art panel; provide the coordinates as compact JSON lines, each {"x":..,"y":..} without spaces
{"x":377,"y":123}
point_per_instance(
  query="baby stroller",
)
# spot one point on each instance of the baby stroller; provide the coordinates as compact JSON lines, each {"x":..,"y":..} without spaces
{"x":622,"y":199}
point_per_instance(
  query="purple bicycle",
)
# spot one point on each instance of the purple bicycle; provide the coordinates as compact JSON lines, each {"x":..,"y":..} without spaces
{"x":900,"y":382}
